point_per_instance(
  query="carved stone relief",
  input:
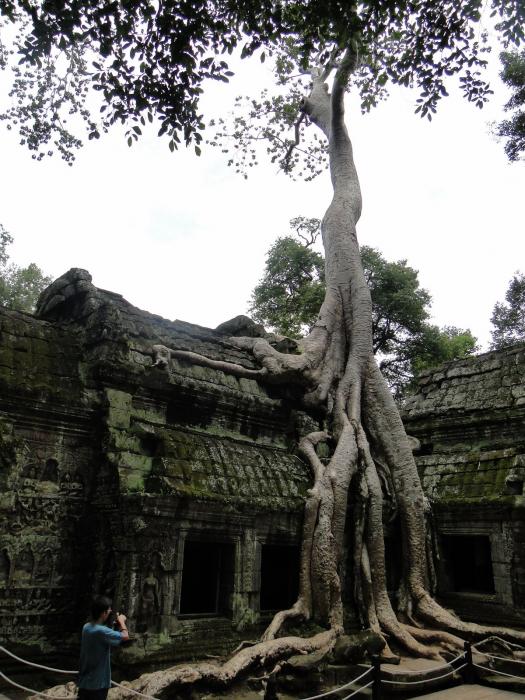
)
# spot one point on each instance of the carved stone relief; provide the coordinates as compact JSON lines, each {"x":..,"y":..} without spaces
{"x":150,"y":595}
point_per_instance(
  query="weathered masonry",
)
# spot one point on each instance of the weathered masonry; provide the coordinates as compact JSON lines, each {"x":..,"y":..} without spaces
{"x":469,"y":418}
{"x":175,"y":491}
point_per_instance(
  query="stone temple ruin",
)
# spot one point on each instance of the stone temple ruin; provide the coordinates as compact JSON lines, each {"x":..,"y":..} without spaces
{"x":177,"y":490}
{"x":469,"y":418}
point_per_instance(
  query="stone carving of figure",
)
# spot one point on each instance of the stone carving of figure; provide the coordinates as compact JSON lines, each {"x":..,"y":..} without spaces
{"x":149,"y":602}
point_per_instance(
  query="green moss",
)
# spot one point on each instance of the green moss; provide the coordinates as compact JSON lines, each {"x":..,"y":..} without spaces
{"x":131,"y":481}
{"x":135,"y":461}
{"x":123,"y":440}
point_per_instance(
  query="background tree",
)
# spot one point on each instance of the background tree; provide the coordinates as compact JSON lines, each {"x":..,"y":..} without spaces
{"x":288,"y":298}
{"x":513,"y":129}
{"x":19,"y":286}
{"x":508,"y":318}
{"x":429,"y":348}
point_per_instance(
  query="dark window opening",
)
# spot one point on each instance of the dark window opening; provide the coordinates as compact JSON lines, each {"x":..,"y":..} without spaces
{"x":468,"y":563}
{"x":207,"y":578}
{"x":279,"y":576}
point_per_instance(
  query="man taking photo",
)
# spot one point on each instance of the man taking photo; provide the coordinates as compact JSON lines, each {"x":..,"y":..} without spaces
{"x":94,"y":678}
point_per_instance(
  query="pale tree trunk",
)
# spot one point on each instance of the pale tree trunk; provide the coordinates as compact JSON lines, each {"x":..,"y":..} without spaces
{"x":359,"y":408}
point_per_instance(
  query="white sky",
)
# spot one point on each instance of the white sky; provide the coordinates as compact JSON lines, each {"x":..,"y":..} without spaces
{"x":186,"y":238}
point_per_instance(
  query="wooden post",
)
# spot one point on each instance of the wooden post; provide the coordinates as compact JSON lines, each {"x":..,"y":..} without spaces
{"x":376,"y":677}
{"x":469,"y":674}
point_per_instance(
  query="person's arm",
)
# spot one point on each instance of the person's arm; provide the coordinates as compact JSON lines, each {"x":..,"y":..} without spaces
{"x":121,"y":622}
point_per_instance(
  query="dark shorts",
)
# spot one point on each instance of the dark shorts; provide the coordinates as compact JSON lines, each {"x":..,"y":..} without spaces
{"x":85,"y":694}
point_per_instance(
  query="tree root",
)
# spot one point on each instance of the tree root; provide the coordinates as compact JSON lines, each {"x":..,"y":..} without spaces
{"x":449,"y":642}
{"x":258,"y":656}
{"x":163,"y":354}
{"x":431,"y":612}
{"x":299,"y":611}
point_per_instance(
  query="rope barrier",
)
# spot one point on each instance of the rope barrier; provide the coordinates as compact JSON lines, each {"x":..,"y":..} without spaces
{"x":501,"y":673}
{"x":30,"y":663}
{"x":135,"y":692}
{"x":502,"y":658}
{"x":30,"y":690}
{"x":499,"y":639}
{"x":313,"y":697}
{"x":150,"y":697}
{"x":425,"y":680}
{"x":343,"y":687}
{"x":347,"y":697}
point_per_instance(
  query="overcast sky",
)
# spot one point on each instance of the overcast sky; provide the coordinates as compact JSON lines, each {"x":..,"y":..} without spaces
{"x":186,"y":238}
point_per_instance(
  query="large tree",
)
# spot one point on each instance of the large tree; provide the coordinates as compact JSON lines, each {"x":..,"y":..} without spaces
{"x":320,"y":49}
{"x":288,"y":297}
{"x":508,"y":318}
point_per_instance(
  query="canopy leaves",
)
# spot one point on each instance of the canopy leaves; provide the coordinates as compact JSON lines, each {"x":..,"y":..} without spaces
{"x":151,"y":60}
{"x":513,"y":130}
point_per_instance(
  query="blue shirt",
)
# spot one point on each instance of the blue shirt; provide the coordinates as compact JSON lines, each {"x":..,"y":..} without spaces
{"x":95,"y":668}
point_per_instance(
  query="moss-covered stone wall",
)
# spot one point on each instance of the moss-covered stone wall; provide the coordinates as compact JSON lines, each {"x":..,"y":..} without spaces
{"x":469,"y":419}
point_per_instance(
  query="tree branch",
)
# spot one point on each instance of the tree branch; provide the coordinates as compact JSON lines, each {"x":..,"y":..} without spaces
{"x":297,"y":140}
{"x":345,"y":69}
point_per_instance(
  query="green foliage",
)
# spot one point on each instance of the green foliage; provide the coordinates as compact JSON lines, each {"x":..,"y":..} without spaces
{"x":508,"y":318}
{"x":19,"y":286}
{"x":428,"y":348}
{"x":400,"y":305}
{"x":435,"y":345}
{"x":290,"y":294}
{"x":291,"y":291}
{"x":151,"y":60}
{"x":513,"y":129}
